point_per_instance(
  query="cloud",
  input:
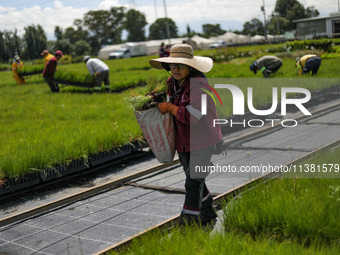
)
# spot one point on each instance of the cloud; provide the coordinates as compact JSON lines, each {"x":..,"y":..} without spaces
{"x":48,"y":17}
{"x":107,"y":4}
{"x":230,"y":14}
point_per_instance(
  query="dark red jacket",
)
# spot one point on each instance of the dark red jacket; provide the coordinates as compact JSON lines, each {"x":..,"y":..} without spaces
{"x":194,"y":131}
{"x":50,"y":67}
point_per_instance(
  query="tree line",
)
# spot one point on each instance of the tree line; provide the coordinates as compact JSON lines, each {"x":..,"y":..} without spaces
{"x":105,"y":27}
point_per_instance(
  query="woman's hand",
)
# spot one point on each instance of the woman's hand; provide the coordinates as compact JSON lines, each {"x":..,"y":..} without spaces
{"x":168,"y":107}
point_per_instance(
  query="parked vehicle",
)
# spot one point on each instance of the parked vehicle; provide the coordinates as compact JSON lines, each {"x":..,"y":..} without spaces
{"x":129,"y":50}
{"x":218,"y":44}
{"x":121,"y":53}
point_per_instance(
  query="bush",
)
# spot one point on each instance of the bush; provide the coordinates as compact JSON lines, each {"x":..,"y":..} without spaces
{"x":67,"y":59}
{"x":323,"y":44}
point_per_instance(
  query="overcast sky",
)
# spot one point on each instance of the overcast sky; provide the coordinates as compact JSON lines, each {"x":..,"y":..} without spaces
{"x":230,"y":14}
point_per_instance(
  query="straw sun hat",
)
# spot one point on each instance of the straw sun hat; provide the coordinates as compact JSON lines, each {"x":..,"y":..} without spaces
{"x":183,"y":54}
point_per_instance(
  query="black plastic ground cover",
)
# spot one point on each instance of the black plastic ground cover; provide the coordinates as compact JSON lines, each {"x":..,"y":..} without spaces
{"x":11,"y":185}
{"x":31,"y":73}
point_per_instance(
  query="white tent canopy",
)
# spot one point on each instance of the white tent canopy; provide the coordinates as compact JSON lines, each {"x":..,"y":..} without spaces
{"x":197,"y":42}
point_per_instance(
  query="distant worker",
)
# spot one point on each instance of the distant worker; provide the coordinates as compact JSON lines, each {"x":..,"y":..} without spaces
{"x":49,"y":71}
{"x":47,"y":56}
{"x":100,"y":72}
{"x":307,"y":64}
{"x":266,"y":65}
{"x":17,"y":63}
{"x":163,"y":51}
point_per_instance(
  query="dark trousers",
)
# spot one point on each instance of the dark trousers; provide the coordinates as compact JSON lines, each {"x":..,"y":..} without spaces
{"x":53,"y":85}
{"x":274,"y":68}
{"x":102,"y":77}
{"x":312,"y":65}
{"x":194,"y":165}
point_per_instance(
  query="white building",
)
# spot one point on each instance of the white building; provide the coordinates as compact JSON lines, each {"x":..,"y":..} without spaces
{"x":319,"y":26}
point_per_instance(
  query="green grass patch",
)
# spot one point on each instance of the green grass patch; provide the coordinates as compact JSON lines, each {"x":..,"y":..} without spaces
{"x":301,"y":209}
{"x":197,"y":241}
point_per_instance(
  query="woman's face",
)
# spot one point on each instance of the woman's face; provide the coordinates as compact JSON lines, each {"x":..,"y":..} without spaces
{"x":179,"y":71}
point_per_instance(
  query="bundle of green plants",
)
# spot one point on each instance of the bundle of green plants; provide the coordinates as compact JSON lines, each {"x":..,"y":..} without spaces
{"x":302,"y":209}
{"x":148,"y":96}
{"x":71,"y":76}
{"x":27,"y":70}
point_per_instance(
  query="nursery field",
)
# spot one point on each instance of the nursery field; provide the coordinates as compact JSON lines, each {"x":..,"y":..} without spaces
{"x":280,"y":216}
{"x":41,"y":129}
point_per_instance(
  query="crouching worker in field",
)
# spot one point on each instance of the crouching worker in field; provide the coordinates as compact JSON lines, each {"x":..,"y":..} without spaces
{"x":49,"y":71}
{"x":307,"y":64}
{"x":266,"y":65}
{"x":17,"y":63}
{"x":194,"y":132}
{"x":47,"y":56}
{"x":100,"y":72}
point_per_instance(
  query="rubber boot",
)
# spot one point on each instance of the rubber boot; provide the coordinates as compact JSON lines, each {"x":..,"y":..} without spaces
{"x":207,"y":213}
{"x":188,"y":219}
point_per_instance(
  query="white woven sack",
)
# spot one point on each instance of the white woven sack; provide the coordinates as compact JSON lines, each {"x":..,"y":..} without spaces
{"x":159,"y":131}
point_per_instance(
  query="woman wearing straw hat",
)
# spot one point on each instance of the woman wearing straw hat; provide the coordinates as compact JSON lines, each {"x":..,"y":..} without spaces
{"x":195,"y":134}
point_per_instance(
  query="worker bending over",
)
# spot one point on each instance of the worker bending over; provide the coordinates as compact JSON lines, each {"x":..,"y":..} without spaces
{"x":266,"y":65}
{"x":307,"y":64}
{"x":100,"y":72}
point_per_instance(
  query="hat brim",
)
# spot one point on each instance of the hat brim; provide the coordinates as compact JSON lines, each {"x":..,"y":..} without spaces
{"x":202,"y":64}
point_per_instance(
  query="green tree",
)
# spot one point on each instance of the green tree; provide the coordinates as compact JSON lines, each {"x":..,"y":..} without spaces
{"x":311,"y":12}
{"x":293,"y":10}
{"x":81,"y":47}
{"x":212,"y":30}
{"x":277,"y":24}
{"x":63,"y":45}
{"x":253,"y":27}
{"x":105,"y":27}
{"x":158,"y":30}
{"x":35,"y":40}
{"x":135,"y":23}
{"x":73,"y":35}
{"x":3,"y":52}
{"x":58,"y":32}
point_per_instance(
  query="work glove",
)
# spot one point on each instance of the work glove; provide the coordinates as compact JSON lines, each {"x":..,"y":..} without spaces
{"x":168,"y":107}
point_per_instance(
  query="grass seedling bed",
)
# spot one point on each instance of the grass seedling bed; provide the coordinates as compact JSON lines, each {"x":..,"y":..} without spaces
{"x":31,"y":70}
{"x":71,"y":77}
{"x":40,"y":129}
{"x":282,"y":216}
